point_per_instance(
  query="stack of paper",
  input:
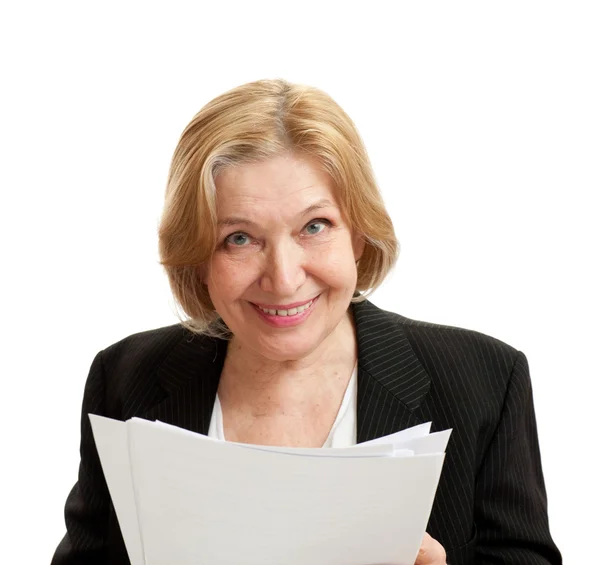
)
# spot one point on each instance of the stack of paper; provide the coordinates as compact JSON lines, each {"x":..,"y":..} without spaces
{"x":182,"y":498}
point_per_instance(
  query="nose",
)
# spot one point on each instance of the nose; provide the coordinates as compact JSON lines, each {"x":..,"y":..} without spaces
{"x":284,"y":270}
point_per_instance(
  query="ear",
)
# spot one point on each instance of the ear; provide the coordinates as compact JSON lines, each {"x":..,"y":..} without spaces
{"x":358,"y":245}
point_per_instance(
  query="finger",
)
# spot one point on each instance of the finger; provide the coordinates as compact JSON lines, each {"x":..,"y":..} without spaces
{"x":431,"y":552}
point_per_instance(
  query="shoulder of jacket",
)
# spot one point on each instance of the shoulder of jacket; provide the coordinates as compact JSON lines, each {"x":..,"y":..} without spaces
{"x":438,"y":339}
{"x":155,"y":339}
{"x":142,"y":352}
{"x":132,"y":364}
{"x":453,"y":334}
{"x":476,"y":361}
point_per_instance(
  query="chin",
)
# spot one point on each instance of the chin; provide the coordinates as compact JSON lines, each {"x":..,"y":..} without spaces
{"x":284,"y":348}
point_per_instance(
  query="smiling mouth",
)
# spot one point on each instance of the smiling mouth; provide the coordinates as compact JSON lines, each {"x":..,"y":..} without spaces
{"x":287,"y":312}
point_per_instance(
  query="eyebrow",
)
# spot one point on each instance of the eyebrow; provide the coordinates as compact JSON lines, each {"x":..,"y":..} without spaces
{"x":236,"y":220}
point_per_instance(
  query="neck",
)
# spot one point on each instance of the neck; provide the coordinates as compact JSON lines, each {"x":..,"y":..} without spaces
{"x":265,"y":385}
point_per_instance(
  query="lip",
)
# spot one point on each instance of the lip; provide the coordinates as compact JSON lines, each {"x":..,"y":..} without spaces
{"x":283,"y":306}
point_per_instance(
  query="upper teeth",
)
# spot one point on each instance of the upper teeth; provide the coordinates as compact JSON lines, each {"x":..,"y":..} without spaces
{"x":289,"y":312}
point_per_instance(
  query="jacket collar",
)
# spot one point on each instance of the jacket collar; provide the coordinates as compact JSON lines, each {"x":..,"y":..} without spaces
{"x":391,"y":380}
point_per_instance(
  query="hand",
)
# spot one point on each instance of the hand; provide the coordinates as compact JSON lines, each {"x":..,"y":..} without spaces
{"x":431,"y":552}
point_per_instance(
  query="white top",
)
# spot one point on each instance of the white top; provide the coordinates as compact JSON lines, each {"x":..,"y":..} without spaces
{"x":342,"y":433}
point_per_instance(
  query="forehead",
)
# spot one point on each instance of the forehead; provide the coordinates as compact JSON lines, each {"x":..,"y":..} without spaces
{"x":283,"y":180}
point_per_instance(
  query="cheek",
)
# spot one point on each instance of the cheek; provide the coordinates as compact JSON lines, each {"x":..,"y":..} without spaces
{"x":230,"y":277}
{"x":335,"y":265}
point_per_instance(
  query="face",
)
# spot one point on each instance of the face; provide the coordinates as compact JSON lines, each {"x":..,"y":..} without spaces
{"x":282,"y":241}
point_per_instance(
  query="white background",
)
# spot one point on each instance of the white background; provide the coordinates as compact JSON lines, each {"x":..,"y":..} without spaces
{"x":482,"y":122}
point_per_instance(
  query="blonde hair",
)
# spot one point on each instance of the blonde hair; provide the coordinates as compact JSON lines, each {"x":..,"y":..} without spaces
{"x":250,"y":123}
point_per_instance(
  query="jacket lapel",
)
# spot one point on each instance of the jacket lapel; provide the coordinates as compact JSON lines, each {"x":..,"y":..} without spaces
{"x":392,"y":382}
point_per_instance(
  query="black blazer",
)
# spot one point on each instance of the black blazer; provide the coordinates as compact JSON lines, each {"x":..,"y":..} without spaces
{"x":490,"y":506}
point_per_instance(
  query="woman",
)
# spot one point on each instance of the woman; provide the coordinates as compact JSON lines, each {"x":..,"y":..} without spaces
{"x":273,"y":228}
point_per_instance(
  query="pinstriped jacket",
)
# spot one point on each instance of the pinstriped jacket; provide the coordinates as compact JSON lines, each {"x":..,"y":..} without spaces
{"x":490,"y":506}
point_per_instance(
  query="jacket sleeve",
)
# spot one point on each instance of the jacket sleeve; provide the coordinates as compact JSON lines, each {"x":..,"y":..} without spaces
{"x":511,"y":508}
{"x":87,"y":506}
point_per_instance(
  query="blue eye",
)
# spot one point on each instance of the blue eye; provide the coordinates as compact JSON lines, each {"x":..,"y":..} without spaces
{"x":236,"y":239}
{"x":316,"y":223}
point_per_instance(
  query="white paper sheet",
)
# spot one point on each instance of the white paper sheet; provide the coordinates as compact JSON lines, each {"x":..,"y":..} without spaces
{"x":432,"y":443}
{"x":183,"y":498}
{"x":360,"y":450}
{"x":113,"y":448}
{"x":402,"y":436}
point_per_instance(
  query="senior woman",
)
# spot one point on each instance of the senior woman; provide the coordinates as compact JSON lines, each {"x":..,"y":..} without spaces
{"x":273,"y":231}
